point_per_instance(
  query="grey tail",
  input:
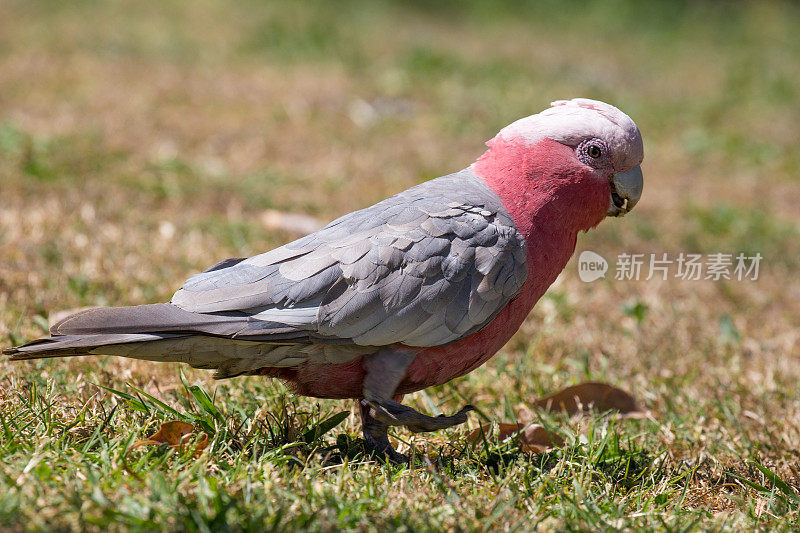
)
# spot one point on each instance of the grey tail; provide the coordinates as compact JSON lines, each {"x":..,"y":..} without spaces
{"x":167,"y":333}
{"x":69,"y":345}
{"x":82,"y":332}
{"x":153,"y":318}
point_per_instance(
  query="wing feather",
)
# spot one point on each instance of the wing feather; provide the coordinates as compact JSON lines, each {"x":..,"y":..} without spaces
{"x":426,"y":267}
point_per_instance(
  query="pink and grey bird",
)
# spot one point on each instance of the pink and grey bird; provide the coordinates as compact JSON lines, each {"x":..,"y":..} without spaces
{"x":411,"y":292}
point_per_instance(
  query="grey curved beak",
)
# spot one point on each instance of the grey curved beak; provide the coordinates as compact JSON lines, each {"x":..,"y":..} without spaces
{"x":626,"y":189}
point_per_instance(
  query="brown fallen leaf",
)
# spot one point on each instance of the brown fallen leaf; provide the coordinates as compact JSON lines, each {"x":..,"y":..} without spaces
{"x":533,"y":438}
{"x":592,"y":395}
{"x":578,"y":398}
{"x":176,"y":433}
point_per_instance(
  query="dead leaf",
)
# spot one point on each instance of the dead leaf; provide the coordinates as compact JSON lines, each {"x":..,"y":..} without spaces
{"x":592,"y":395}
{"x":176,"y":433}
{"x":475,"y":435}
{"x":533,"y":438}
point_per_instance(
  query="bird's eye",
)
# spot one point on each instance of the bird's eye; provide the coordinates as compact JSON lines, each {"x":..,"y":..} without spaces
{"x":594,"y":152}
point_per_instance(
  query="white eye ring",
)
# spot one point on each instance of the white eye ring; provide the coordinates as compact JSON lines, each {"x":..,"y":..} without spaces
{"x":592,"y":151}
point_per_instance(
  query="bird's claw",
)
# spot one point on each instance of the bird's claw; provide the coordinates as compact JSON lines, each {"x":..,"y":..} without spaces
{"x":382,"y":449}
{"x":393,"y":413}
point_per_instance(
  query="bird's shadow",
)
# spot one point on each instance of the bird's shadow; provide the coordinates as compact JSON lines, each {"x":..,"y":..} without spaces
{"x":453,"y":457}
{"x":625,"y":467}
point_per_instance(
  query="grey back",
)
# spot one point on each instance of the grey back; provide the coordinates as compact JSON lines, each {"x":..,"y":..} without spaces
{"x":425,"y":267}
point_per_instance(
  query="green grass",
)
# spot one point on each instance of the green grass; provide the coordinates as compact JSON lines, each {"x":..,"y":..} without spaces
{"x":141,"y":142}
{"x":274,"y":470}
{"x":270,"y":466}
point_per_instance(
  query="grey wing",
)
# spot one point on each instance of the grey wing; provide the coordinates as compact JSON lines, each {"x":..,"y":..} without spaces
{"x":424,"y":268}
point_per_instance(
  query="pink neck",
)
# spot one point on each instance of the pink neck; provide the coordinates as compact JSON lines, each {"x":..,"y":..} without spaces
{"x":547,"y":191}
{"x":551,"y":196}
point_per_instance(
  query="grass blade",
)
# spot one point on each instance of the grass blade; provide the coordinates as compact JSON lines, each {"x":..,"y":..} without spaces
{"x":325,"y":426}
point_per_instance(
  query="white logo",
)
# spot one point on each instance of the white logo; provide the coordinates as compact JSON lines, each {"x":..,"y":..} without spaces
{"x":591,"y":266}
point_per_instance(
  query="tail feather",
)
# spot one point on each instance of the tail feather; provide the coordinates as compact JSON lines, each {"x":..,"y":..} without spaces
{"x":226,"y":342}
{"x":149,"y":318}
{"x":229,"y":357}
{"x":67,"y":345}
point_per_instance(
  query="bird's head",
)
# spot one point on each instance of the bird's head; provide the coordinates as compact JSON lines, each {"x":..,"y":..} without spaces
{"x":583,"y":155}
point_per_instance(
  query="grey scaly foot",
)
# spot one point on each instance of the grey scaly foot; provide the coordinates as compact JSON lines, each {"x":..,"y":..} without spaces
{"x":393,"y":413}
{"x":385,"y":370}
{"x":376,"y":438}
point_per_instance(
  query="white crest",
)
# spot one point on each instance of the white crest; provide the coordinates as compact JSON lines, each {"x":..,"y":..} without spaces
{"x":572,"y":121}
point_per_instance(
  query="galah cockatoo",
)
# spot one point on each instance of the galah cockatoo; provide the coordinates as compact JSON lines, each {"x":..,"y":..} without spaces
{"x":412,"y":292}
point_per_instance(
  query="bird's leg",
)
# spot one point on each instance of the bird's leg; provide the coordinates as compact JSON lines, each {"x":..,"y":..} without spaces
{"x":385,"y":370}
{"x":376,"y":435}
{"x":392,"y":413}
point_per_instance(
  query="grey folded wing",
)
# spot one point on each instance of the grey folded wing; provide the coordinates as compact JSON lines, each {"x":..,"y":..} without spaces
{"x":426,"y":267}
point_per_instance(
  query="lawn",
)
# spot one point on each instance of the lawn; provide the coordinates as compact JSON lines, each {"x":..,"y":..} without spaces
{"x":142,"y":142}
